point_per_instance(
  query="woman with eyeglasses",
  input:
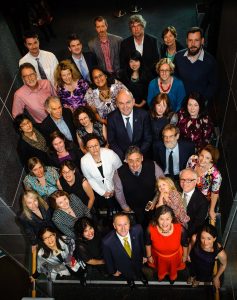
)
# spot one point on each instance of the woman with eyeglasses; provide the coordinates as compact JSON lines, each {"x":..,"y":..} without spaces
{"x":98,"y":166}
{"x":55,"y":257}
{"x":42,"y":179}
{"x":102,"y":96}
{"x":71,"y":88}
{"x":167,"y":83}
{"x":209,"y":177}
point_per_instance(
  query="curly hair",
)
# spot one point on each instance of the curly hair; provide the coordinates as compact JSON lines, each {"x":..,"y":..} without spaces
{"x":65,"y":65}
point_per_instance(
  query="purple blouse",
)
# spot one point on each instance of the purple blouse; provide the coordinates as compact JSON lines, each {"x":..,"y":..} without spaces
{"x":76,"y":98}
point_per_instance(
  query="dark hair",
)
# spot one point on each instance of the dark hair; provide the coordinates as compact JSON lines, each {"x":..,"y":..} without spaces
{"x":69,"y":164}
{"x":32,"y":162}
{"x":161,"y":210}
{"x":133,"y":149}
{"x":47,"y":250}
{"x":157,"y":100}
{"x":30,"y":34}
{"x":80,"y":226}
{"x":136,"y":55}
{"x":19,"y":119}
{"x":90,"y":136}
{"x":194,"y":30}
{"x":58,"y":134}
{"x":100,"y":19}
{"x":26,"y":66}
{"x":53,"y":197}
{"x":73,"y":37}
{"x":200,"y":100}
{"x":121,"y":214}
{"x":83,"y":109}
{"x":171,"y":29}
{"x":215,"y":154}
{"x":209,"y":229}
{"x":110,"y":78}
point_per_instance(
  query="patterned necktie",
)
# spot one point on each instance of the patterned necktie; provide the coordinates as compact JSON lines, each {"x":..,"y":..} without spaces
{"x":41,"y":70}
{"x":127,"y":247}
{"x":185,"y":200}
{"x":83,"y":70}
{"x":129,"y":128}
{"x":171,"y":164}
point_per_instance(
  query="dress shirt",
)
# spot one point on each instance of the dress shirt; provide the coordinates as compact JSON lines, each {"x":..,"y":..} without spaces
{"x":33,"y":100}
{"x":62,"y":126}
{"x":199,"y":57}
{"x":118,"y":187}
{"x":189,"y":195}
{"x":138,"y":47}
{"x":121,"y":238}
{"x":83,"y":61}
{"x":175,"y":159}
{"x":48,"y":61}
{"x":105,"y":47}
{"x":130,"y":119}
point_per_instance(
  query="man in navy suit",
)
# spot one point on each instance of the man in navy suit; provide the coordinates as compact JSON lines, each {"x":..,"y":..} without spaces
{"x":124,"y":250}
{"x":171,"y":146}
{"x":83,"y":61}
{"x":195,"y":202}
{"x":128,"y":125}
{"x":140,"y":41}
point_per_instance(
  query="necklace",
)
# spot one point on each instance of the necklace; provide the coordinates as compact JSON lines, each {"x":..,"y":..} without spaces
{"x":105,"y":94}
{"x":163,"y":89}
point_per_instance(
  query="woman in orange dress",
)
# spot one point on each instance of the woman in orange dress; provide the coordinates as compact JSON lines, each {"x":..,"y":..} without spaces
{"x":163,"y":247}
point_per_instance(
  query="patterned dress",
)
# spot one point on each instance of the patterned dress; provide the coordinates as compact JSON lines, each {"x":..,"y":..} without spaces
{"x":104,"y":107}
{"x":76,"y":98}
{"x":209,"y":182}
{"x":166,"y":251}
{"x":97,"y":129}
{"x":199,"y":130}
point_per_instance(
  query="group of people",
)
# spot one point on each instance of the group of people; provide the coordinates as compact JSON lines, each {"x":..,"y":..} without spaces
{"x":124,"y":127}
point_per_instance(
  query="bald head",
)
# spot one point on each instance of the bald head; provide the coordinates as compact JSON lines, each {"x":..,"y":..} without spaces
{"x":125,"y":102}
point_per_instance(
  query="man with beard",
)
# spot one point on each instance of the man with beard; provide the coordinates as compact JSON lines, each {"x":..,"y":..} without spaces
{"x":196,"y":67}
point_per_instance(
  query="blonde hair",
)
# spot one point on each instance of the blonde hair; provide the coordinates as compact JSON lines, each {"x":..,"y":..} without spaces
{"x":65,"y":65}
{"x":26,"y":211}
{"x":165,"y":61}
{"x":169,"y":181}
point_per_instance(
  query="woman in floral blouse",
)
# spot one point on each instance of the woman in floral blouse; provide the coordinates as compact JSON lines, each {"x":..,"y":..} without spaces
{"x":194,"y":123}
{"x":102,"y":97}
{"x":71,"y":89}
{"x":209,"y":177}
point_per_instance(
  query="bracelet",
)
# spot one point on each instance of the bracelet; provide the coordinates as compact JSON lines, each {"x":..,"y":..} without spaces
{"x":149,"y":256}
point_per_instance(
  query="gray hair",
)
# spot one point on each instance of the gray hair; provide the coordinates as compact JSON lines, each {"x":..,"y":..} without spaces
{"x":190,"y":170}
{"x":137,"y":19}
{"x":131,"y":150}
{"x":49,"y":99}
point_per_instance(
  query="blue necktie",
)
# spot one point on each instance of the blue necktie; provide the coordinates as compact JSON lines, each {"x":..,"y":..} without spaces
{"x":41,"y":69}
{"x":83,"y":70}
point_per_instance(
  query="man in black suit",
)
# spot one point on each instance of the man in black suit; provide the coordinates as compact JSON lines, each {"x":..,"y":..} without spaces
{"x":124,"y":250}
{"x":171,"y":154}
{"x":140,"y":41}
{"x":83,"y":61}
{"x":195,"y":202}
{"x":128,"y":125}
{"x":59,"y":118}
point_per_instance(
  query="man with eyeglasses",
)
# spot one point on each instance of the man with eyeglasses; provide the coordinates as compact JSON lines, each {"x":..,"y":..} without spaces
{"x":172,"y":154}
{"x":195,"y":202}
{"x":32,"y":95}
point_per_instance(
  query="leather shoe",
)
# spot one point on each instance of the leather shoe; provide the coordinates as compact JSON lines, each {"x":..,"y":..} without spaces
{"x":131,"y":284}
{"x":144,"y":280}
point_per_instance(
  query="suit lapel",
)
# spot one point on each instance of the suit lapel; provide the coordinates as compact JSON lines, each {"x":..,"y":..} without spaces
{"x":136,"y":124}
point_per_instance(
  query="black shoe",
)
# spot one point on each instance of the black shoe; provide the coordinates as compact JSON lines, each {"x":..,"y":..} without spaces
{"x":83,"y":281}
{"x":144,"y":280}
{"x":172,"y":281}
{"x":131,"y":284}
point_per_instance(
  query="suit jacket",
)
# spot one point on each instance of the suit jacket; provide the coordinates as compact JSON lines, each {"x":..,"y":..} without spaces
{"x":110,"y":162}
{"x":197,"y":210}
{"x":117,"y":259}
{"x":114,"y":41}
{"x":48,"y":125}
{"x":117,"y":134}
{"x":150,"y":54}
{"x":90,"y":59}
{"x":186,"y":149}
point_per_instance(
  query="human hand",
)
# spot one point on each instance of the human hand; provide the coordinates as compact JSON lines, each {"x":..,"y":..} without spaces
{"x":216,"y":282}
{"x":150,"y":259}
{"x":32,"y":279}
{"x":212,"y":215}
{"x":127,"y":209}
{"x":117,"y":273}
{"x":144,"y":260}
{"x":107,"y":195}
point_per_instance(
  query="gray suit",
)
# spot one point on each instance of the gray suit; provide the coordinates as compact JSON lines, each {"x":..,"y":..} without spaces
{"x":114,"y":41}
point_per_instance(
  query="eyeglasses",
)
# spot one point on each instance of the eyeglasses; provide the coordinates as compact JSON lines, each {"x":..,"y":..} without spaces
{"x":186,"y":180}
{"x":25,"y":123}
{"x":29,"y":76}
{"x":93,"y":146}
{"x":48,"y":237}
{"x":169,"y":136}
{"x":164,"y":71}
{"x":66,"y":172}
{"x":98,"y":76}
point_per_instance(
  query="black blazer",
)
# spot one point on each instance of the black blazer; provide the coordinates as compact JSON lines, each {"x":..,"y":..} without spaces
{"x":197,"y":210}
{"x":90,"y":59}
{"x":117,"y":134}
{"x":48,"y":125}
{"x":117,"y":259}
{"x":186,"y":149}
{"x":150,"y":54}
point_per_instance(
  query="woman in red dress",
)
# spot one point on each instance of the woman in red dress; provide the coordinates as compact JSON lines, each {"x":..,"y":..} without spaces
{"x":163,"y":247}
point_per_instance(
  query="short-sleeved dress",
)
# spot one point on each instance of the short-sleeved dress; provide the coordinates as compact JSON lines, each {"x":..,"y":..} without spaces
{"x":166,"y":251}
{"x":209,"y":182}
{"x":202,"y":262}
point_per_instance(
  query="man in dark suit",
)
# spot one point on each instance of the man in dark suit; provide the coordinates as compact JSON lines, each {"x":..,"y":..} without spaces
{"x":83,"y":61}
{"x":128,"y":125}
{"x":59,"y":118}
{"x":140,"y":41}
{"x":195,"y":202}
{"x":172,"y":155}
{"x":124,"y":250}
